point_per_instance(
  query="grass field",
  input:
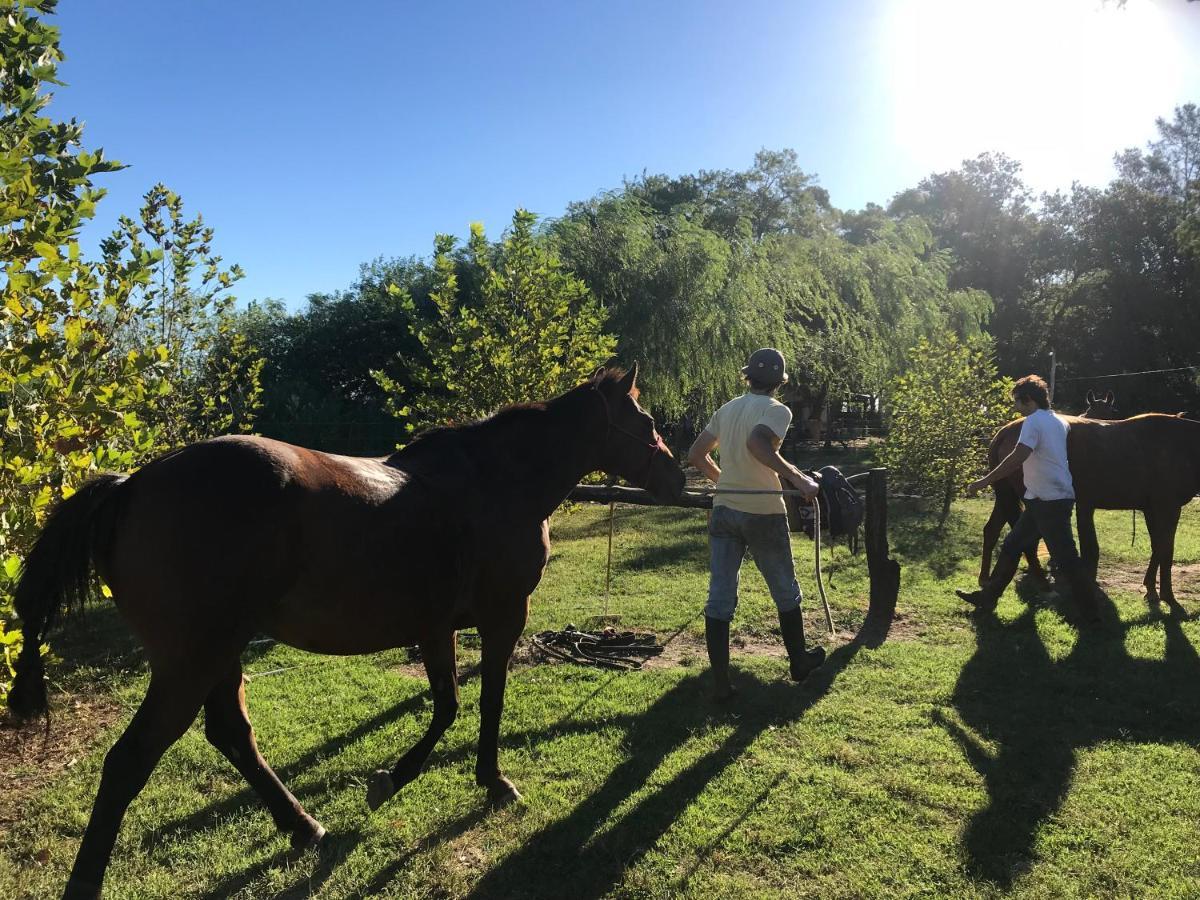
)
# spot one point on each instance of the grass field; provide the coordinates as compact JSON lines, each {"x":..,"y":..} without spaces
{"x":964,"y":756}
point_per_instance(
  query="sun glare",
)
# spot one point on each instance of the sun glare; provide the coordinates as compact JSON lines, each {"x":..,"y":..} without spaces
{"x":1058,"y":84}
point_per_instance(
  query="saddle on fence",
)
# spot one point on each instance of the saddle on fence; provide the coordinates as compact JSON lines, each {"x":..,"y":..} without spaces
{"x":842,"y":509}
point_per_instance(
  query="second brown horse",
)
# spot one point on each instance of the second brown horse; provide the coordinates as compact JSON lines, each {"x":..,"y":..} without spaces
{"x":1149,"y":462}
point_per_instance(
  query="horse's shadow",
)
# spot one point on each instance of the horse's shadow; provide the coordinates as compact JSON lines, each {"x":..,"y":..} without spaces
{"x":585,"y":856}
{"x":1042,"y":711}
{"x":571,"y":846}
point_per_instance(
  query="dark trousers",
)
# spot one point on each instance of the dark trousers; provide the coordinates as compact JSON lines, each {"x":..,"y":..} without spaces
{"x":1048,"y":520}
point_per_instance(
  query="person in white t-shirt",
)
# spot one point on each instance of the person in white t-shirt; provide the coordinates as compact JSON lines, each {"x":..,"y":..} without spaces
{"x":749,"y":430}
{"x":1041,"y":455}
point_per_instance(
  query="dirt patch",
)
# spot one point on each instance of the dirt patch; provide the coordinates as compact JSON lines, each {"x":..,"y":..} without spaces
{"x":35,"y":756}
{"x":683,"y":648}
{"x":1129,"y":579}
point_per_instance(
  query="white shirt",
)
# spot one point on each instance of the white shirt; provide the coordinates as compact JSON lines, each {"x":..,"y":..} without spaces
{"x":1047,"y":473}
{"x":731,"y":426}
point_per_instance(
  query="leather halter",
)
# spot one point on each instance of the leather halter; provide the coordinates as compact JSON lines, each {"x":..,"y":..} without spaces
{"x":655,"y":448}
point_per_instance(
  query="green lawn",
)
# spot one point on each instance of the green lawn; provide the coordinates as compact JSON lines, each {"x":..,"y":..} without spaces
{"x":961,"y":757}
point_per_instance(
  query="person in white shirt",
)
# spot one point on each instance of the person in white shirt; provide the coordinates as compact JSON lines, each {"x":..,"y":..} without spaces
{"x":749,"y":430}
{"x":1041,"y":455}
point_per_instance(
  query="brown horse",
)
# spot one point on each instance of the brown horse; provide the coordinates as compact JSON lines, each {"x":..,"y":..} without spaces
{"x":1149,"y":462}
{"x":1007,"y":505}
{"x":209,"y":545}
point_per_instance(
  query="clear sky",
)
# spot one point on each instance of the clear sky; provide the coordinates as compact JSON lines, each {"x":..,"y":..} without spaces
{"x":317,"y":136}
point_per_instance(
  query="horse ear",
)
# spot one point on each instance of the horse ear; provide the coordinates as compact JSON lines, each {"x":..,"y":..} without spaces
{"x":1091,"y":397}
{"x":1108,"y":398}
{"x":597,"y":375}
{"x":628,"y":383}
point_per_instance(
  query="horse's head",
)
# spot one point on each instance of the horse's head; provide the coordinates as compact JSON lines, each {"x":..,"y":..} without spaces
{"x":632,"y":448}
{"x":1100,"y":407}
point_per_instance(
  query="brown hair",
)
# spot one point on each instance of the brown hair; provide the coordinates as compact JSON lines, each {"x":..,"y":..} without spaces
{"x":1032,"y":387}
{"x":759,"y":385}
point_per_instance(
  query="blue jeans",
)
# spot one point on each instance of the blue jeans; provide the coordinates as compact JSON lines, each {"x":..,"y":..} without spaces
{"x":730,"y":534}
{"x":1048,"y":520}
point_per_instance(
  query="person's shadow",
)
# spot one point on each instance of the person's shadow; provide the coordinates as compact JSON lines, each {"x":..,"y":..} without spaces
{"x":1041,"y":712}
{"x":582,"y":857}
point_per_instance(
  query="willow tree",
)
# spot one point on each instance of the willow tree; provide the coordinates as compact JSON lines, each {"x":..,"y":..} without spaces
{"x":684,"y":301}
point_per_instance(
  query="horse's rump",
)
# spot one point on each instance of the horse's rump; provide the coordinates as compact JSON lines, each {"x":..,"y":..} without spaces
{"x":1137,"y":463}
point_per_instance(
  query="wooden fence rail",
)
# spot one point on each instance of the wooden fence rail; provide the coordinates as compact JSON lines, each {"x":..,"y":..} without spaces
{"x":884,"y":571}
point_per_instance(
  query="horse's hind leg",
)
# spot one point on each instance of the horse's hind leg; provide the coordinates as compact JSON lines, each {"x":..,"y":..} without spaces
{"x":1150,"y":580}
{"x":227,"y":727}
{"x":169,"y":707}
{"x":1161,"y":525}
{"x":439,"y":657}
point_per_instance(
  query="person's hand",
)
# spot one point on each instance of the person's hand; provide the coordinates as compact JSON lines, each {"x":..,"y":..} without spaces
{"x":976,"y":486}
{"x":806,"y":486}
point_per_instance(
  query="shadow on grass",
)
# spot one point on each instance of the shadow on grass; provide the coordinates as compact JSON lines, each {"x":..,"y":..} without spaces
{"x":206,"y":816}
{"x":1041,"y":712}
{"x":915,"y":535}
{"x":689,"y":548}
{"x":539,"y":867}
{"x":572,"y":851}
{"x":332,"y":851}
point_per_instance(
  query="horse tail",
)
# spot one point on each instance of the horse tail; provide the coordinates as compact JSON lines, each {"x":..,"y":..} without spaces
{"x":56,"y":576}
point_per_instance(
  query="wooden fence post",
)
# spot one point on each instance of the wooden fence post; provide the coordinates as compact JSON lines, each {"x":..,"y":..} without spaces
{"x":884,"y":572}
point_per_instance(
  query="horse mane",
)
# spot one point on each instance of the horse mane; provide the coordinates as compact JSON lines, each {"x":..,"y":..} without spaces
{"x":443,"y":439}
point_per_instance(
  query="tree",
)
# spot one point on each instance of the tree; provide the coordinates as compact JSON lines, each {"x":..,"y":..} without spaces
{"x":71,"y":394}
{"x":945,"y":409}
{"x":1117,"y":272}
{"x":212,"y":367}
{"x":981,"y":213}
{"x":533,"y":332}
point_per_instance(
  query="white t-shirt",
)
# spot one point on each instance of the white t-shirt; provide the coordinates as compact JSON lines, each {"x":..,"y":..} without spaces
{"x":731,"y":425}
{"x":1047,"y":473}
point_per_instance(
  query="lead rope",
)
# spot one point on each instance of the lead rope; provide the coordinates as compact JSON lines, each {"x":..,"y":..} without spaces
{"x":817,"y":560}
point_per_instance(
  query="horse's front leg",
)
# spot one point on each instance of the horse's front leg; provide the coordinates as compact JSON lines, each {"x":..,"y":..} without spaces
{"x":439,"y":657}
{"x":991,"y":534}
{"x":498,"y":643}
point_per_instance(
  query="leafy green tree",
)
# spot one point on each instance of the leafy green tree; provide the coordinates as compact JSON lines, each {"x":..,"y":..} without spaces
{"x":534,"y":331}
{"x":944,"y":409}
{"x":213,"y":368}
{"x":72,"y":394}
{"x":982,"y":214}
{"x":1117,"y":273}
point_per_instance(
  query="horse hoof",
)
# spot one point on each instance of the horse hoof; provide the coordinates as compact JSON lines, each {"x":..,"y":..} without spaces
{"x":380,"y":789}
{"x":504,"y":794}
{"x":308,"y":837}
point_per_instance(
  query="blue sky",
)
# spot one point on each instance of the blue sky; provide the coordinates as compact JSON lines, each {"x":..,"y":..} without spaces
{"x":316,"y":136}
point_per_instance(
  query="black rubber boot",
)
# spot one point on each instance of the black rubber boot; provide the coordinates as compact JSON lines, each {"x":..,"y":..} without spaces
{"x":791,"y":625}
{"x":1083,"y":592}
{"x":716,"y":637}
{"x":988,"y":596}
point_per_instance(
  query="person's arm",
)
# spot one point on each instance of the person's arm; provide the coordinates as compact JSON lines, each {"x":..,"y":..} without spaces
{"x":763,"y":445}
{"x":1006,"y":467}
{"x":699,"y":456}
